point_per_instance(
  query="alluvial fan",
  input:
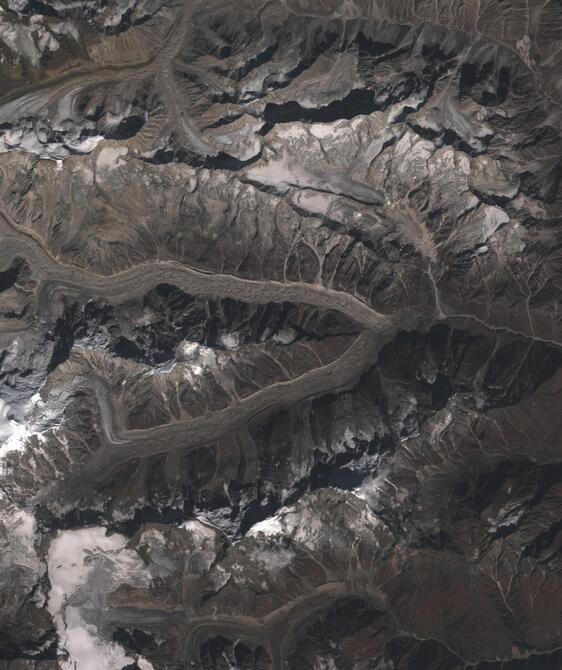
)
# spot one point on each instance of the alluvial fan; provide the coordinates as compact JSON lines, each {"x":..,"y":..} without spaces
{"x":280,"y":335}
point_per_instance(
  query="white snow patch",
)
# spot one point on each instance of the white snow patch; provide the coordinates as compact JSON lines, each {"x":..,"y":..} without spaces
{"x":309,"y":525}
{"x":17,"y":5}
{"x":291,"y":131}
{"x":65,"y":29}
{"x":493,"y":218}
{"x":199,"y":357}
{"x":152,"y":535}
{"x":273,"y":559}
{"x":268,"y":527}
{"x":87,"y":145}
{"x":204,"y":539}
{"x":297,"y":522}
{"x":322,"y":130}
{"x":14,"y":434}
{"x":352,"y":434}
{"x":109,"y":158}
{"x":18,"y":38}
{"x":19,"y":549}
{"x":84,"y":566}
{"x":230,"y":340}
{"x":199,"y":530}
{"x":285,"y":336}
{"x":325,"y":663}
{"x":188,"y":350}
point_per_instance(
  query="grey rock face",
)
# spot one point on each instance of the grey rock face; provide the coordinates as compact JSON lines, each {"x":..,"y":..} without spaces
{"x":280,"y":335}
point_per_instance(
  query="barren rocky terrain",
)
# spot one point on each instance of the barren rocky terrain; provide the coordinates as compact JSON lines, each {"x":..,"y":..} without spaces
{"x":280,"y":335}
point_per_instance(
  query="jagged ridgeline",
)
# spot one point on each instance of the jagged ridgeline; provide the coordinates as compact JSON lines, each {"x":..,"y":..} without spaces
{"x":280,"y":335}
